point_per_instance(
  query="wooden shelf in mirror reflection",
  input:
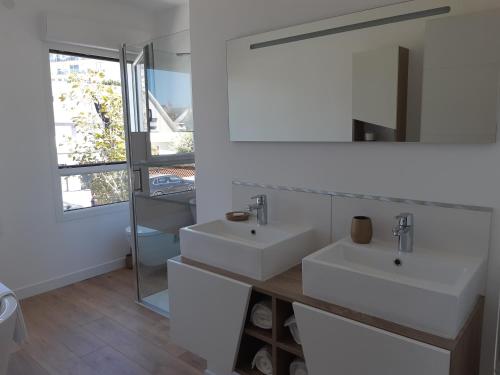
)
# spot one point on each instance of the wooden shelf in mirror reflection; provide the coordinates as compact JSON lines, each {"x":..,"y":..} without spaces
{"x":362,"y":130}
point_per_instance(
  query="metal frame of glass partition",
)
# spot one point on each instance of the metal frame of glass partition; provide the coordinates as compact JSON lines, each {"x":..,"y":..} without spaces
{"x":151,"y":161}
{"x":126,"y":118}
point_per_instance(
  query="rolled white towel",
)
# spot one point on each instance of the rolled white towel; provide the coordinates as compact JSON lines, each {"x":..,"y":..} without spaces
{"x":263,"y":361}
{"x":20,"y":332}
{"x":262,"y":314}
{"x":298,"y":367}
{"x":291,"y":323}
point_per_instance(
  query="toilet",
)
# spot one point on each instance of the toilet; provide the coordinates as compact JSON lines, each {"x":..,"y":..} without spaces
{"x":8,"y":318}
{"x":192,"y":207}
{"x":155,"y":247}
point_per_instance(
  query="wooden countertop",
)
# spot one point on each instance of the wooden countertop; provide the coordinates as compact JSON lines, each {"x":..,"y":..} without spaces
{"x":288,"y":286}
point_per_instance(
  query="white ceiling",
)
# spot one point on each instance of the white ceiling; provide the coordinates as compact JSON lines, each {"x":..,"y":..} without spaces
{"x":152,"y":4}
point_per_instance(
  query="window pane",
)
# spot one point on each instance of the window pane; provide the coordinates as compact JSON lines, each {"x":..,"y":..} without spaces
{"x":169,"y":180}
{"x":170,"y":100}
{"x":88,"y":111}
{"x":94,"y":189}
{"x":140,"y":97}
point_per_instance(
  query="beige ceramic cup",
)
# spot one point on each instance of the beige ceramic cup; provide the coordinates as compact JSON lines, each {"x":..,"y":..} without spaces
{"x":361,"y":229}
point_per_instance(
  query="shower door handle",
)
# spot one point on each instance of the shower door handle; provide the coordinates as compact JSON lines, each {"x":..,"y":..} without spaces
{"x":137,"y":180}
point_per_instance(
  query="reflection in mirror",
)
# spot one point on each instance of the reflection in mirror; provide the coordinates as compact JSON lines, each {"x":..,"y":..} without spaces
{"x":379,"y":94}
{"x":419,"y":71}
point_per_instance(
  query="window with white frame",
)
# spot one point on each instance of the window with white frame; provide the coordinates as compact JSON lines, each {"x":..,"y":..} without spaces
{"x":89,"y":129}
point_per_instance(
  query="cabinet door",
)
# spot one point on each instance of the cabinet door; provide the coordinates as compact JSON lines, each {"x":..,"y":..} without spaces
{"x":207,"y":313}
{"x":337,"y":346}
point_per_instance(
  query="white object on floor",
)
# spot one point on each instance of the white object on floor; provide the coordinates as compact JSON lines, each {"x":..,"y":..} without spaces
{"x":160,"y":300}
{"x":263,"y":361}
{"x":12,"y":327}
{"x":10,"y":308}
{"x":298,"y":367}
{"x":291,"y":324}
{"x":262,"y":314}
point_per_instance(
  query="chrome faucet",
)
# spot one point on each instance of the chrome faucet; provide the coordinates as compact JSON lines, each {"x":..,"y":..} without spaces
{"x":404,"y":231}
{"x":261,"y":207}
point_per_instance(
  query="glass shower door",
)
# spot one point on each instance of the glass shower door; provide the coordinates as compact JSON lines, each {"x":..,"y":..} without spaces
{"x":161,"y":161}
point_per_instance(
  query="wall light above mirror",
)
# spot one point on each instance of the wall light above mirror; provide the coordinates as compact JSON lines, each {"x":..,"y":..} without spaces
{"x":421,"y":71}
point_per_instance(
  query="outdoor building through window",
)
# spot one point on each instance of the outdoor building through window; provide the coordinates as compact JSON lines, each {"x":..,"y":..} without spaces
{"x":89,"y":129}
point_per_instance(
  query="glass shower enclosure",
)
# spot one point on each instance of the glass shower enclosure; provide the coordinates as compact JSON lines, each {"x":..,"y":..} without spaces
{"x":161,"y":158}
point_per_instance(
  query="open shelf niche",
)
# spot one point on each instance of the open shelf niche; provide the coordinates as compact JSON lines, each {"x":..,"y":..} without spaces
{"x":279,"y":338}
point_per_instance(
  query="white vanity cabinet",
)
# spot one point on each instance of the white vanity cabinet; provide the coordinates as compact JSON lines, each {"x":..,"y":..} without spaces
{"x":207,"y":314}
{"x":209,"y":317}
{"x":336,"y":345}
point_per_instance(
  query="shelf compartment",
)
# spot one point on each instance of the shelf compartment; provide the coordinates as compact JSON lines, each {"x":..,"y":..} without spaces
{"x":283,"y":361}
{"x":291,"y":347}
{"x":248,"y":348}
{"x":248,"y":371}
{"x":259,"y":333}
{"x":255,"y":298}
{"x":284,"y":338}
{"x":284,"y":348}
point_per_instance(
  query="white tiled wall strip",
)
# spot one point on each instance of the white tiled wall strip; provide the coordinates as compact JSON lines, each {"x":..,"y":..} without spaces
{"x":362,"y":196}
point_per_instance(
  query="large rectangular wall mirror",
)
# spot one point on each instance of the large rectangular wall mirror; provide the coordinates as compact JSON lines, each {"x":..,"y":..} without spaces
{"x":420,"y":71}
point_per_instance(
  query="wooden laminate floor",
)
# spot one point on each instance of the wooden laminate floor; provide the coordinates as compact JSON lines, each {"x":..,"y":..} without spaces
{"x":95,"y":327}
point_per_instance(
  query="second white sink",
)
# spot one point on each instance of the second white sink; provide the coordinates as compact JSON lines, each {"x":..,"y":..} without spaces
{"x":424,"y":290}
{"x":258,"y":252}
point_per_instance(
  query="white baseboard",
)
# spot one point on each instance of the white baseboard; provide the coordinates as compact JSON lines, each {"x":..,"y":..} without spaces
{"x":71,"y":278}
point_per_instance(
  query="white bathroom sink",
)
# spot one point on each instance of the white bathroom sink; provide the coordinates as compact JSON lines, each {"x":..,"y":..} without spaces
{"x":429,"y":291}
{"x":258,"y":252}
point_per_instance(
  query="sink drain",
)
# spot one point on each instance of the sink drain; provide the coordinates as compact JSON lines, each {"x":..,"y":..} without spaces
{"x":398,"y":262}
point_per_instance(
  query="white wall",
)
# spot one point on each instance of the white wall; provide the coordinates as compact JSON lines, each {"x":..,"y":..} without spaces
{"x":452,"y":173}
{"x":38,"y":251}
{"x":172,"y":20}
